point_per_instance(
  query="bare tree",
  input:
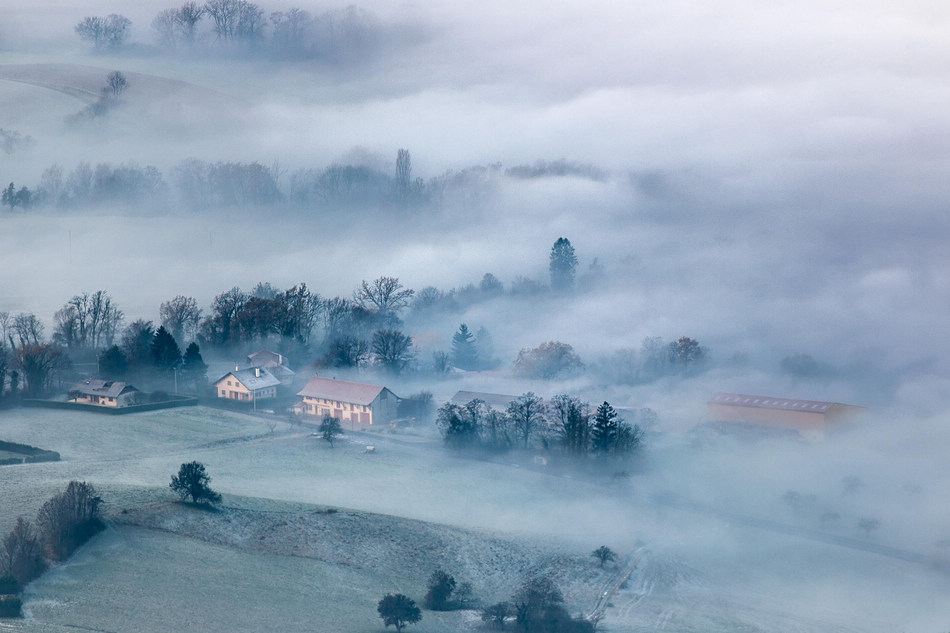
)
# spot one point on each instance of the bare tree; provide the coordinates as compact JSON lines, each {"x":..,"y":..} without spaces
{"x":39,"y":365}
{"x":28,"y":328}
{"x":188,"y":17}
{"x":67,"y":520}
{"x":526,"y":414}
{"x":92,"y":29}
{"x":22,"y":553}
{"x":181,"y":317}
{"x":392,"y":350}
{"x":165,"y":24}
{"x":116,"y":84}
{"x":385,"y":296}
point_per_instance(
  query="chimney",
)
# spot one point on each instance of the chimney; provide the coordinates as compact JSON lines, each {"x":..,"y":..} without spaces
{"x":280,"y":359}
{"x":236,"y":368}
{"x":257,"y":372}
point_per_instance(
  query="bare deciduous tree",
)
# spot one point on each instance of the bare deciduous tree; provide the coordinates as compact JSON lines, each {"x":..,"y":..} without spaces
{"x":181,"y":317}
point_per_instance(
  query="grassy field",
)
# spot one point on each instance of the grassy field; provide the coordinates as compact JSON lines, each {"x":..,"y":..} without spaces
{"x":401,"y":511}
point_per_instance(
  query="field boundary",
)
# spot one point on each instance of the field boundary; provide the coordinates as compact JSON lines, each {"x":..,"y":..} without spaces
{"x":179,"y":401}
{"x":31,"y":454}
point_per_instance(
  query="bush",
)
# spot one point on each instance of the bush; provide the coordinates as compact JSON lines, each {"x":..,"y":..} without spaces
{"x":8,"y":584}
{"x":10,"y":606}
{"x":441,"y":586}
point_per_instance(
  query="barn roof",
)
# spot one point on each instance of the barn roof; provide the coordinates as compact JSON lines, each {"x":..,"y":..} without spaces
{"x":264,"y":357}
{"x":491,"y":399}
{"x":770,"y":402}
{"x":341,"y":390}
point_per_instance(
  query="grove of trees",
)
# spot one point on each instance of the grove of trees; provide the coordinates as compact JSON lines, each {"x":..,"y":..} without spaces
{"x":63,"y":523}
{"x":564,"y":424}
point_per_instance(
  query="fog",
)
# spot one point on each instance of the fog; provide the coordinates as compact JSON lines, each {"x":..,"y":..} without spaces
{"x":769,"y":180}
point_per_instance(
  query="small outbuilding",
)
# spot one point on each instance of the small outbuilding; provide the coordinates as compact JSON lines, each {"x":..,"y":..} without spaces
{"x":348,"y":401}
{"x":247,"y":385}
{"x":811,"y":418}
{"x":103,"y":393}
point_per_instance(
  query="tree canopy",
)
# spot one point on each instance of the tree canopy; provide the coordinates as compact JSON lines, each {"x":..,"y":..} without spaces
{"x":398,"y":610}
{"x":192,"y":481}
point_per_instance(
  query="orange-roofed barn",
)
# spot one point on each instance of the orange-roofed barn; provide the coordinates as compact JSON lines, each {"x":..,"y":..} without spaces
{"x":348,"y":401}
{"x":811,"y":418}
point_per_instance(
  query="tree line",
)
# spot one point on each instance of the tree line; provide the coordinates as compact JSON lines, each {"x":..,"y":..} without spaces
{"x":563,"y":423}
{"x":239,"y":28}
{"x":199,"y":184}
{"x":63,"y":523}
{"x":356,"y":332}
{"x":536,"y":607}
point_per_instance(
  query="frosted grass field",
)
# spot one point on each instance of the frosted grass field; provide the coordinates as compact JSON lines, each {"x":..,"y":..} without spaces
{"x":697,"y":572}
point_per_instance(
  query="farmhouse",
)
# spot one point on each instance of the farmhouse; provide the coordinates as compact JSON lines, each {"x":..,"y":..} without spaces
{"x":348,"y":401}
{"x":273,"y":362}
{"x":810,"y":418}
{"x":104,"y":393}
{"x":496,"y":401}
{"x":247,"y":385}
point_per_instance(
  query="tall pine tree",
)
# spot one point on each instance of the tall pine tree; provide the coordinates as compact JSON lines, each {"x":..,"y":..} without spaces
{"x":464,"y":349}
{"x":563,"y":264}
{"x":603,"y":432}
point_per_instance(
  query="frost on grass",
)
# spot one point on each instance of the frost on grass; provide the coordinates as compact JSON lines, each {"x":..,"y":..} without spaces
{"x":404,"y":550}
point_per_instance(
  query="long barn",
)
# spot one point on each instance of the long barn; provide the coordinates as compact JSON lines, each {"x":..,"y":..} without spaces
{"x":811,"y":418}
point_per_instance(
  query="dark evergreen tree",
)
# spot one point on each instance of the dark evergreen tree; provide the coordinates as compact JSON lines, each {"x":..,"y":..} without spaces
{"x":563,"y":264}
{"x":194,"y":370}
{"x":112,"y":363}
{"x":603,"y":433}
{"x":464,"y":349}
{"x":164,"y":352}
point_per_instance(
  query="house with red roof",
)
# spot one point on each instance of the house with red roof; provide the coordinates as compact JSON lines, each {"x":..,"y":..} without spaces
{"x":348,"y":401}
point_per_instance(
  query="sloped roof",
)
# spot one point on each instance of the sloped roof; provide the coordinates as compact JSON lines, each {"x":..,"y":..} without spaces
{"x":769,"y":402}
{"x":264,"y":357}
{"x":98,"y":387}
{"x":491,"y":399}
{"x":341,"y":390}
{"x":254,"y":378}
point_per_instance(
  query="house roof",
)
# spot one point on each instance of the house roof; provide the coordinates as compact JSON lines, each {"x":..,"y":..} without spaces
{"x":254,"y":378}
{"x":264,"y":357}
{"x":769,"y":402}
{"x":98,"y":387}
{"x":341,"y":390}
{"x":491,"y":399}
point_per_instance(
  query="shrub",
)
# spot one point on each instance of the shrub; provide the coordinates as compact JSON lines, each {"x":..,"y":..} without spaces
{"x":441,"y":586}
{"x":8,"y":584}
{"x":10,"y":606}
